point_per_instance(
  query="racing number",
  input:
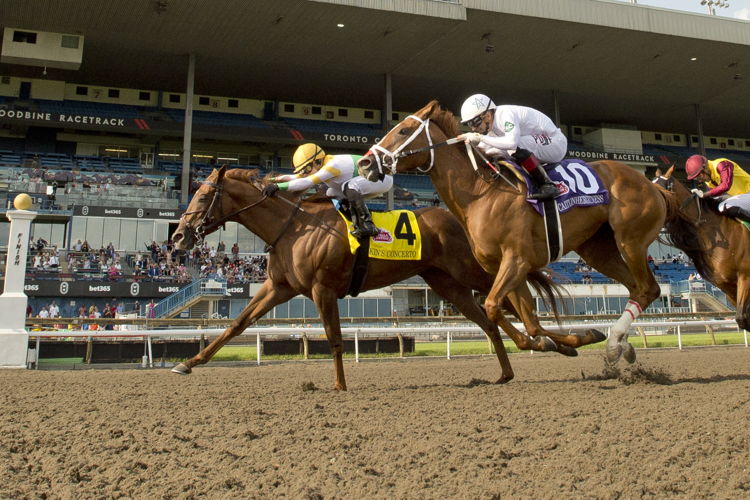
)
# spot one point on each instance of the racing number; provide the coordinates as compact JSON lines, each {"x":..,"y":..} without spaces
{"x":403,"y":229}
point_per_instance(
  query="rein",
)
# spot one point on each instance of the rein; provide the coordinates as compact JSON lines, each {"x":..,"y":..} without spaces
{"x":207,"y":225}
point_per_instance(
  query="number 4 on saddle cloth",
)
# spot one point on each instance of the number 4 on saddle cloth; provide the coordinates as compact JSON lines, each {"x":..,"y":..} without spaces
{"x":579,"y":186}
{"x":399,"y":237}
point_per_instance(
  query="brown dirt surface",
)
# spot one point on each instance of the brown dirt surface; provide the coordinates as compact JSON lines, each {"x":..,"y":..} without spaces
{"x":674,"y":425}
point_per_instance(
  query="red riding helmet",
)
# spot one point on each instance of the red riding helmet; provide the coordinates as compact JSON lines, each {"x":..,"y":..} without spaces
{"x":694,"y":166}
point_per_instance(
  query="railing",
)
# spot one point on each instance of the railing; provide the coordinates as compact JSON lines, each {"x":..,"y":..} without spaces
{"x":204,"y":287}
{"x":698,"y":286}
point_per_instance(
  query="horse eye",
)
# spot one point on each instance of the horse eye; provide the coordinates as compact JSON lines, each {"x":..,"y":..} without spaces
{"x":404,"y":131}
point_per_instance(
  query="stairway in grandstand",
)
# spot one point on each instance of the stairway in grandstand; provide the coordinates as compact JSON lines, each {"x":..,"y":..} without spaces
{"x":197,"y":291}
{"x":702,"y":296}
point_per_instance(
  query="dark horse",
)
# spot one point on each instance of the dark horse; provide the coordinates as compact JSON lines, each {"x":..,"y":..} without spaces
{"x":718,"y":245}
{"x":507,"y":235}
{"x":310,"y":256}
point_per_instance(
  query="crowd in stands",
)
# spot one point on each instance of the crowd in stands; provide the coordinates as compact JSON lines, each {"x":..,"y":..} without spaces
{"x":218,"y":263}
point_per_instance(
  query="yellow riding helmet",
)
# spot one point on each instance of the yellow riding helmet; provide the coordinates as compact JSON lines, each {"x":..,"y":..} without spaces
{"x":305,"y":155}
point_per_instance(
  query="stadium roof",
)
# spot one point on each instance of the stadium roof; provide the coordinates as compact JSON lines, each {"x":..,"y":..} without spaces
{"x":607,"y":61}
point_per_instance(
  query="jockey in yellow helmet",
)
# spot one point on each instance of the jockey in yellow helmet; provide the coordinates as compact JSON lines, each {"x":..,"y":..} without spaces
{"x":339,"y":173}
{"x":726,"y":180}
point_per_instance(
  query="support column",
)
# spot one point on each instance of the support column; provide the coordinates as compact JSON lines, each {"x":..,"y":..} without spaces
{"x":14,"y":339}
{"x":386,"y":121}
{"x":188,"y":133}
{"x":556,"y":106}
{"x":699,"y":126}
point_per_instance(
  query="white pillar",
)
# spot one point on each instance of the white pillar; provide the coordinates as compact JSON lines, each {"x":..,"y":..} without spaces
{"x":14,"y":339}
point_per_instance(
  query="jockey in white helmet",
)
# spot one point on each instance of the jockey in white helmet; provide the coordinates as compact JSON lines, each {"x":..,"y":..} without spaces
{"x":528,"y":136}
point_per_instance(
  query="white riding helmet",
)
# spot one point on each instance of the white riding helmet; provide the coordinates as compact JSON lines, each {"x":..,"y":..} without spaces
{"x":475,"y":106}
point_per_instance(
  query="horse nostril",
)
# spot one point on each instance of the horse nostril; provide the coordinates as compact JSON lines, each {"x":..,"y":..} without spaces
{"x":177,"y":237}
{"x":363,"y":163}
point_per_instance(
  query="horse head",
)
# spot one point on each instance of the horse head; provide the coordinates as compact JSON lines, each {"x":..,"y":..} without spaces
{"x":419,"y":133}
{"x":213,"y":204}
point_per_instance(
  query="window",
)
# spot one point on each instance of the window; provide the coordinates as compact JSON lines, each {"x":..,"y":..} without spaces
{"x":24,"y":37}
{"x":69,"y":42}
{"x":577,"y":131}
{"x":343,"y":112}
{"x":5,"y":80}
{"x":82,"y":91}
{"x":676,"y":138}
{"x":657,"y":137}
{"x":317,"y":110}
{"x":113,"y":93}
{"x":394,"y":116}
{"x":369,"y":115}
{"x":747,"y":143}
{"x":203,"y":101}
{"x":713,"y":140}
{"x":289,"y":108}
{"x":730,"y":142}
{"x":329,"y":115}
{"x":233,"y":103}
{"x":694,"y":139}
{"x":144,"y":96}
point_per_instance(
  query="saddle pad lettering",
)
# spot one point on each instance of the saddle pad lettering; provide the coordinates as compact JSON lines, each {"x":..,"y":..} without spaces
{"x":578,"y":183}
{"x":399,"y":237}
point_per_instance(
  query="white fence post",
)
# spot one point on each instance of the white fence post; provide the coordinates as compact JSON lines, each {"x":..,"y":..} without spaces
{"x":356,"y":345}
{"x":257,"y":347}
{"x":679,"y":337}
{"x":744,"y":334}
{"x":448,"y":344}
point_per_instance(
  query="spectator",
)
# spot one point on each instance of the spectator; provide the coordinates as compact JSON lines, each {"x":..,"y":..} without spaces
{"x":150,"y":313}
{"x":54,"y":310}
{"x":435,"y":199}
{"x":235,"y":251}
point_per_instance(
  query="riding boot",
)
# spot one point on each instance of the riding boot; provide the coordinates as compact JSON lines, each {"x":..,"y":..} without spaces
{"x":737,"y":212}
{"x":363,"y":225}
{"x":545,"y":188}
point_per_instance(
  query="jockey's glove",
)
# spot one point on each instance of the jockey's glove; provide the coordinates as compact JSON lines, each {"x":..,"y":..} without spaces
{"x":270,"y":190}
{"x":697,"y":192}
{"x":472,"y":137}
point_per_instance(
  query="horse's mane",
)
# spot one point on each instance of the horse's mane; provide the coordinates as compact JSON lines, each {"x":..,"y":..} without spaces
{"x":443,"y":118}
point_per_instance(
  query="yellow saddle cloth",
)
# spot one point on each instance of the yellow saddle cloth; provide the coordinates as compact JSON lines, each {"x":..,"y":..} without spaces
{"x":399,"y":237}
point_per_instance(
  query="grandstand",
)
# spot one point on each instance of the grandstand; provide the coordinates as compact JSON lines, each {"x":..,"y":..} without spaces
{"x":101,"y":148}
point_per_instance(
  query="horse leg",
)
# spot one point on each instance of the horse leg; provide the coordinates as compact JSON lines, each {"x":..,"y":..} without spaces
{"x":510,"y":276}
{"x":326,"y":301}
{"x":269,"y":295}
{"x":743,"y":301}
{"x":448,"y":288}
{"x":523,"y":303}
{"x":627,"y":264}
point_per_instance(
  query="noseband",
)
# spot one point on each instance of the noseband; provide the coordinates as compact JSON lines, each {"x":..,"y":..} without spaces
{"x":390,"y":158}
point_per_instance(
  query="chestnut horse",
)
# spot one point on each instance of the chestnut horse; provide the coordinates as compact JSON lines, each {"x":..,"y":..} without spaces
{"x":718,"y":245}
{"x":506,"y":233}
{"x":310,"y":256}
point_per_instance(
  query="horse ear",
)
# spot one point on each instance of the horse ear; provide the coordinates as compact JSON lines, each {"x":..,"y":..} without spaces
{"x":222,"y":171}
{"x":669,"y":172}
{"x":657,"y":173}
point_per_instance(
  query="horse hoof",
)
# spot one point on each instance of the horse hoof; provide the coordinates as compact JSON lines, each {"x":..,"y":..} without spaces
{"x":614,"y":353}
{"x":182,"y":369}
{"x":628,"y":353}
{"x":567,"y":351}
{"x":504,"y":379}
{"x":595,"y":336}
{"x":544,"y":344}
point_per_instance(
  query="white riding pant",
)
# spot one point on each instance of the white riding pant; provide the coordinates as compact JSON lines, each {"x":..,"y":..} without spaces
{"x":367,"y":189}
{"x":741,"y":200}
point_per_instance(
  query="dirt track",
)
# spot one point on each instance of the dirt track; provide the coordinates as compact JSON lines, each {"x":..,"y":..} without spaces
{"x":413,"y":429}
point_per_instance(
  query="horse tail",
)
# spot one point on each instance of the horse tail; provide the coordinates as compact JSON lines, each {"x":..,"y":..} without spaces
{"x":548,"y":290}
{"x":682,"y":233}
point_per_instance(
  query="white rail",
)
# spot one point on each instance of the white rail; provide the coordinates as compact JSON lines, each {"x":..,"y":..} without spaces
{"x":358,"y":332}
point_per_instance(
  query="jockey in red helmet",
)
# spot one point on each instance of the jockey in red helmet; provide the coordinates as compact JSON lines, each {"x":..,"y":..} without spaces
{"x":726,"y":180}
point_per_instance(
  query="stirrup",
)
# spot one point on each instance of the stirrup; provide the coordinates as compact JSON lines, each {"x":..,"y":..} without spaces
{"x":545,"y":192}
{"x":365,"y":231}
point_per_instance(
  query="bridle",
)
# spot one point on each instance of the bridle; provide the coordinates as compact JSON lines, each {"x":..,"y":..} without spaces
{"x":390,"y":158}
{"x":209,"y":223}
